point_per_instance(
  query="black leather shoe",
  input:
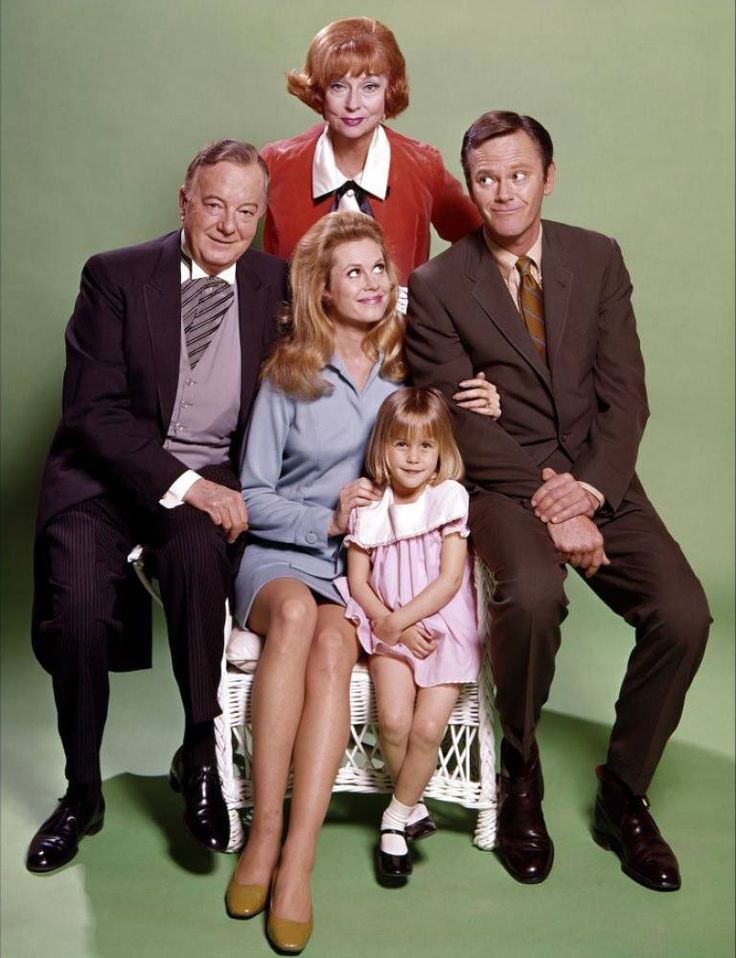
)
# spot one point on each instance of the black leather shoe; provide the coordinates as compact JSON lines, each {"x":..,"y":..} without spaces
{"x":394,"y":866}
{"x":205,"y":813}
{"x":622,"y":824}
{"x":57,"y":840}
{"x":522,"y":842}
{"x":422,"y":828}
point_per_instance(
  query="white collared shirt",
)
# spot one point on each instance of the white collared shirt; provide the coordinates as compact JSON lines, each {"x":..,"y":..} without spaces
{"x":190,"y":269}
{"x":373,"y":178}
{"x":506,"y":262}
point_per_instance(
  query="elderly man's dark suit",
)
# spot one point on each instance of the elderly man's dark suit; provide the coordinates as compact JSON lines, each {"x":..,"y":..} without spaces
{"x":584,"y":413}
{"x":107,"y":471}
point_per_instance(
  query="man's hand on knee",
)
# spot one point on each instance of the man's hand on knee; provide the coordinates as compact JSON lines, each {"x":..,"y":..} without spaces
{"x":561,"y":496}
{"x":224,"y":506}
{"x":580,"y":542}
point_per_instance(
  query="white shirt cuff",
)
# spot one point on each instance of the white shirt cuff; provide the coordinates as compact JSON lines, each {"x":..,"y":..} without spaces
{"x":402,"y":302}
{"x":594,"y":492}
{"x":174,"y":495}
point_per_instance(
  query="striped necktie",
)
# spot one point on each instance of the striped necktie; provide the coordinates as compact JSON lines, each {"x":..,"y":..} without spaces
{"x":531,"y":305}
{"x":204,"y":303}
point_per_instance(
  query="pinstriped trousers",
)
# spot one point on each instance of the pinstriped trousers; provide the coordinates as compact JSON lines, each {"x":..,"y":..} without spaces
{"x":78,"y":608}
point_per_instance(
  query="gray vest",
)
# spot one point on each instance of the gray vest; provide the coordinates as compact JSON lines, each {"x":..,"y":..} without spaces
{"x":207,"y":402}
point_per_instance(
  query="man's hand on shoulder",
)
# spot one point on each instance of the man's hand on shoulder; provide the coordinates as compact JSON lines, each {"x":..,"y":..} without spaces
{"x":579,"y":542}
{"x":562,"y":497}
{"x":224,"y":506}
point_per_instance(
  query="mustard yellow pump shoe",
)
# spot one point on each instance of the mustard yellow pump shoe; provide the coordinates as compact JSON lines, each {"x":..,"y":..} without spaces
{"x":245,"y":901}
{"x":288,"y":936}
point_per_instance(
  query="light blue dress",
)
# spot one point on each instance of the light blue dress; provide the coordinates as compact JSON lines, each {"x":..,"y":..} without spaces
{"x":298,"y":456}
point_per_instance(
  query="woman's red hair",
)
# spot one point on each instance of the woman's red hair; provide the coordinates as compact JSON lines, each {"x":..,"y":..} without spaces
{"x":351,"y":47}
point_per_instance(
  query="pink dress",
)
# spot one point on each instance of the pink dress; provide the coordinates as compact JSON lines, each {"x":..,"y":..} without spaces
{"x":404,"y":541}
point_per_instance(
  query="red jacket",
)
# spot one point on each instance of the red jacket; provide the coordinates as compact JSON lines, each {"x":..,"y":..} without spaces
{"x":420,"y":192}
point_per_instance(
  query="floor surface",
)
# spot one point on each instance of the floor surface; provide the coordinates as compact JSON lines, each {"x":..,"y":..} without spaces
{"x":142,"y":888}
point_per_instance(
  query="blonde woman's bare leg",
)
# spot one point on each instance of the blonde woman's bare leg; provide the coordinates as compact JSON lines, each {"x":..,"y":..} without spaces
{"x":396,"y":692}
{"x":285,"y":612}
{"x":320,"y":744}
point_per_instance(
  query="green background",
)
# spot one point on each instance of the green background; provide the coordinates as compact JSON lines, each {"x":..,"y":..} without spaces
{"x":103,"y":105}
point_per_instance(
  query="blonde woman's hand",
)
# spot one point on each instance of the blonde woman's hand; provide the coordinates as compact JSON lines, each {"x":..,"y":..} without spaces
{"x":362,"y":492}
{"x":479,"y":395}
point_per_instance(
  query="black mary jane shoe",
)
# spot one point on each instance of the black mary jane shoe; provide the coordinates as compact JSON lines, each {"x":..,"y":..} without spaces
{"x":422,"y":828}
{"x":394,"y":866}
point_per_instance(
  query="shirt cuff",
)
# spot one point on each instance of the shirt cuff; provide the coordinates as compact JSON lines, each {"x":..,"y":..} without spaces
{"x":594,"y":492}
{"x":402,"y":301}
{"x":174,"y":495}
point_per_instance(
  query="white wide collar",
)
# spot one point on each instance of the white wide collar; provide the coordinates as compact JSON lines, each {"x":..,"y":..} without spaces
{"x":387,"y":521}
{"x":326,"y":177}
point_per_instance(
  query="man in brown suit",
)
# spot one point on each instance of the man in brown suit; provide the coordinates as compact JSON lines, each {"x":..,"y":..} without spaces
{"x":544,"y":309}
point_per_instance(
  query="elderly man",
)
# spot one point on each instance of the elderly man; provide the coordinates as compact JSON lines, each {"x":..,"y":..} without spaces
{"x":545,"y":311}
{"x":163,"y":353}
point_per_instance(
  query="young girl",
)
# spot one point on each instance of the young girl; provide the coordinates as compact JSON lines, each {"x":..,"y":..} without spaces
{"x":410,"y":592}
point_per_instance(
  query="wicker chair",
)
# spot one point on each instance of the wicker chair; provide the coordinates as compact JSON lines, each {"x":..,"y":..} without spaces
{"x":465,"y":773}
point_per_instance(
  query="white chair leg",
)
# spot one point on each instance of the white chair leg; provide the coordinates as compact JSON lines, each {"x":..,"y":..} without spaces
{"x":485,"y":832}
{"x":224,"y":747}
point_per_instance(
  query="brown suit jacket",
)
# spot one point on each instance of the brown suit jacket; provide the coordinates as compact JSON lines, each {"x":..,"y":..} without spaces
{"x":585,"y":412}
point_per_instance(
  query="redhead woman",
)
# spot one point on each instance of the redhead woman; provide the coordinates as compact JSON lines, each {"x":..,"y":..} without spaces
{"x":355,"y":78}
{"x":322,"y":388}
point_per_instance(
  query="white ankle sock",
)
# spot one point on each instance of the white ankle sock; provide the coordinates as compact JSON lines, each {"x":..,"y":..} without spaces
{"x":417,"y":813}
{"x":395,"y":816}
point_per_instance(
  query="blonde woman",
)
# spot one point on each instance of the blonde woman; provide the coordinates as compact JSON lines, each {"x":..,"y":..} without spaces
{"x":301,"y":476}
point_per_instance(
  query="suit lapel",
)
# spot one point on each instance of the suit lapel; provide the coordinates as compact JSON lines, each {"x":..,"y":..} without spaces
{"x":162,"y":294}
{"x":253,"y":296}
{"x":556,"y":283}
{"x":493,"y":297}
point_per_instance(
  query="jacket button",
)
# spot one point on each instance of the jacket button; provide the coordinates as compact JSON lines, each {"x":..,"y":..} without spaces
{"x":311,"y":537}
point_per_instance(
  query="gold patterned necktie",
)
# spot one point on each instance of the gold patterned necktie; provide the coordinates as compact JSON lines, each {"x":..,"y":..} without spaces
{"x":531,"y":304}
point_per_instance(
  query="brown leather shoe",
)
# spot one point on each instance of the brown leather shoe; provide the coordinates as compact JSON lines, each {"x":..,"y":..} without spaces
{"x":622,"y":824}
{"x":522,"y":841}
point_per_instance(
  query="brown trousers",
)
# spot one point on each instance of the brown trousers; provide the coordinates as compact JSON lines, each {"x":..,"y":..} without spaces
{"x":649,"y":583}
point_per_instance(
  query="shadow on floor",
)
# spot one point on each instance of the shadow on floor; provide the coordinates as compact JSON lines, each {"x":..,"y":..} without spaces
{"x":148,"y":890}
